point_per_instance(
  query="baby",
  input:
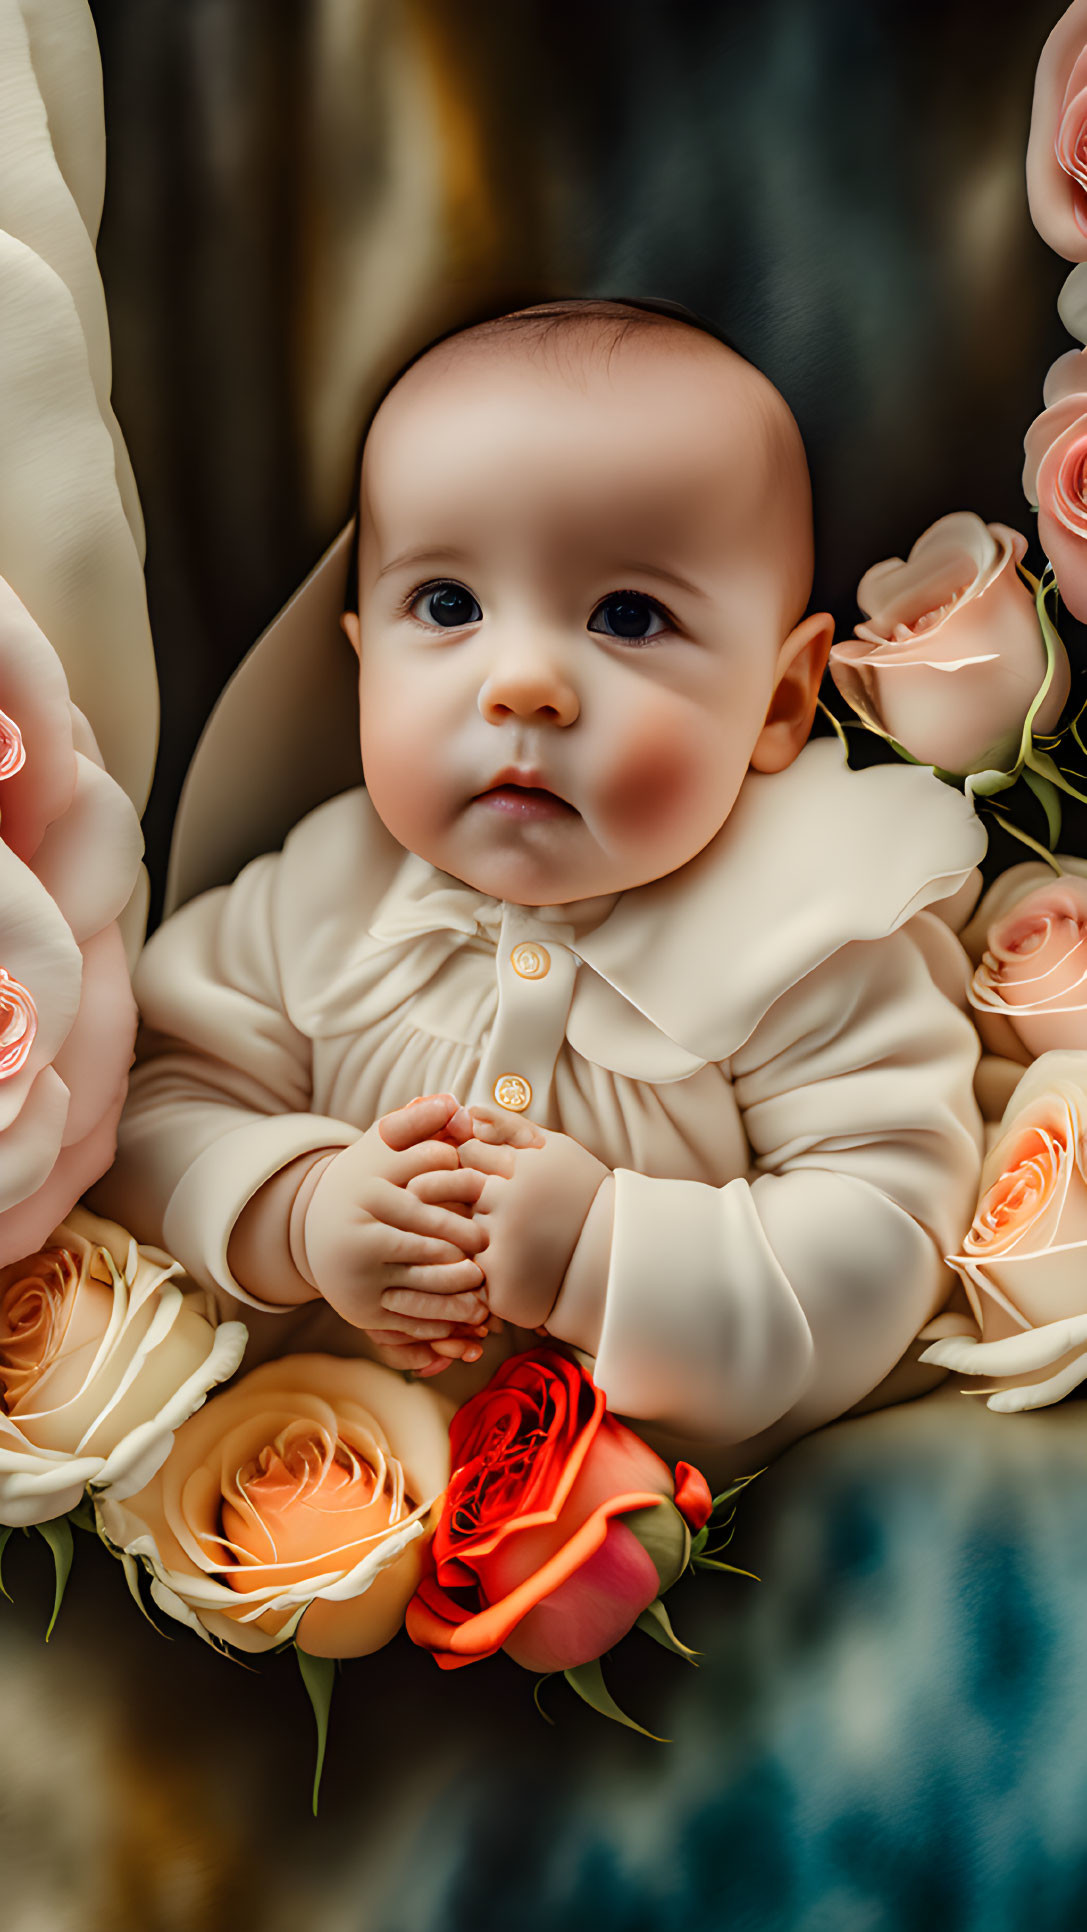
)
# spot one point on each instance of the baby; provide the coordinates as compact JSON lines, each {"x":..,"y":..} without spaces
{"x":610,"y":1007}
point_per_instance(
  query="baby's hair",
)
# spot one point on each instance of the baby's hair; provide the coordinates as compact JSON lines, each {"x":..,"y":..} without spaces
{"x":570,"y":315}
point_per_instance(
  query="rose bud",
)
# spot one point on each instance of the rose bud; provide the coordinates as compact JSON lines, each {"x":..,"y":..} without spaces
{"x":952,"y":654}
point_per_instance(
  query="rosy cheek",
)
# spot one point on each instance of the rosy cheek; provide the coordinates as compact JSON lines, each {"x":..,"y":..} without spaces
{"x":654,"y":780}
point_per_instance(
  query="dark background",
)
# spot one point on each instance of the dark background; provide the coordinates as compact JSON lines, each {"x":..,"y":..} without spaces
{"x":837,"y":183}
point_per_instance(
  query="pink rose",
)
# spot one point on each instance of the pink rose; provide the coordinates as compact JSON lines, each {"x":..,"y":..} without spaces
{"x":952,"y":656}
{"x":1057,"y":149}
{"x":1024,"y":1260}
{"x":1028,"y":940}
{"x":69,"y":861}
{"x":1055,"y":475}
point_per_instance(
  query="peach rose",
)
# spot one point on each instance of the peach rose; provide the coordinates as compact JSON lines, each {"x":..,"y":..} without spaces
{"x":102,"y":1355}
{"x":1028,"y":941}
{"x":1057,"y":148}
{"x":952,"y":656}
{"x":69,"y":861}
{"x":1024,"y":1260}
{"x":1055,"y":475}
{"x":296,"y":1504}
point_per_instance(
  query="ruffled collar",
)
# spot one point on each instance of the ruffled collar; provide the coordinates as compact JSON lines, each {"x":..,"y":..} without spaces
{"x":809,"y":859}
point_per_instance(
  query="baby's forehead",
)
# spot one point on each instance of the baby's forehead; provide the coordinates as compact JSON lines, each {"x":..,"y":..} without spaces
{"x":665,"y":384}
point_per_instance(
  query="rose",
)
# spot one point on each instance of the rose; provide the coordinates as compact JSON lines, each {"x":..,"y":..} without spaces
{"x":1024,"y":1260}
{"x":559,"y":1527}
{"x":952,"y":655}
{"x":1057,"y":148}
{"x":296,"y":1503}
{"x":1055,"y":475}
{"x":1028,"y":941}
{"x":102,"y":1355}
{"x":69,"y":861}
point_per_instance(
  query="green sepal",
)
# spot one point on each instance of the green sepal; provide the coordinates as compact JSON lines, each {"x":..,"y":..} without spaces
{"x":536,"y":1689}
{"x":83,"y":1516}
{"x":319,"y":1676}
{"x":735,"y":1487}
{"x":713,"y":1563}
{"x":665,"y":1538}
{"x":588,"y":1681}
{"x":58,"y":1535}
{"x":657,"y":1624}
{"x":698,"y":1543}
{"x":6,"y":1530}
{"x":1049,"y":798}
{"x":1024,"y":838}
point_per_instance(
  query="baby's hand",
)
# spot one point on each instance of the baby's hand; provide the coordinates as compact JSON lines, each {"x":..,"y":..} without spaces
{"x":387,"y":1212}
{"x":537,"y":1189}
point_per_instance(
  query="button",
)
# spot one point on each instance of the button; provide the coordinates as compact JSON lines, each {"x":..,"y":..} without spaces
{"x":532,"y":962}
{"x":512,"y":1092}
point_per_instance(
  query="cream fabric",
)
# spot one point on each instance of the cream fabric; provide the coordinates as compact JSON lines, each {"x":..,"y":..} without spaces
{"x":768,"y":1047}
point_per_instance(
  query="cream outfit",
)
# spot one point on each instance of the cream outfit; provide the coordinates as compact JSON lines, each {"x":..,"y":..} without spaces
{"x":768,"y":1047}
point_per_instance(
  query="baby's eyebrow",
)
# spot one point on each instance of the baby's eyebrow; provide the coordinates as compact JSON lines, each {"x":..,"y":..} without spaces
{"x":663,"y":576}
{"x":424,"y":553}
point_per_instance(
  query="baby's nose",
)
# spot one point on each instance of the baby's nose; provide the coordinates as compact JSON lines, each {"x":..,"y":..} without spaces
{"x":530,"y":681}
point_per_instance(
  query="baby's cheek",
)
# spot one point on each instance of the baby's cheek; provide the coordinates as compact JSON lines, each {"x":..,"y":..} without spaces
{"x":656,"y":783}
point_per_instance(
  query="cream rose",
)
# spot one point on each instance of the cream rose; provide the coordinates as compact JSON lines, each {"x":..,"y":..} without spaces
{"x":1057,"y":148}
{"x":69,"y":862}
{"x":296,"y":1503}
{"x":1028,"y":942}
{"x":1055,"y":475}
{"x":102,"y":1355}
{"x":952,"y":655}
{"x":1024,"y":1260}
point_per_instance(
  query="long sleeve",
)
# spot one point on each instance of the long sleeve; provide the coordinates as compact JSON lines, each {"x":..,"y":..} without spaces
{"x":792,"y":1292}
{"x":219,"y":1100}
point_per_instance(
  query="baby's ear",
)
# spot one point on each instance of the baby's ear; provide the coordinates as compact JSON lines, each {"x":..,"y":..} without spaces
{"x":352,"y":630}
{"x":802,"y":660}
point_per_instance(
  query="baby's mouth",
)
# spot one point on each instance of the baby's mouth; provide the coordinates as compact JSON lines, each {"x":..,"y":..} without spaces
{"x":518,"y":799}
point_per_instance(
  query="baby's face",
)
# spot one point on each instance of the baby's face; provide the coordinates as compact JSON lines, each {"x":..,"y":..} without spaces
{"x":574,"y":608}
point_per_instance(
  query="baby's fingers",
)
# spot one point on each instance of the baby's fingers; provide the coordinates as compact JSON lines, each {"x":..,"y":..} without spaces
{"x":419,"y":1305}
{"x":500,"y":1128}
{"x":453,"y":1187}
{"x":402,"y":1208}
{"x":421,"y":1118}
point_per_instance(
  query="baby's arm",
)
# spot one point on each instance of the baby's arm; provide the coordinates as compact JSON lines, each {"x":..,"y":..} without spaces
{"x":220,"y":1103}
{"x":720,"y":1311}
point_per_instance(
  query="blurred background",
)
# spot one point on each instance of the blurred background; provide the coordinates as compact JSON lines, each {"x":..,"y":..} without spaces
{"x":890,"y":1731}
{"x":302,"y":192}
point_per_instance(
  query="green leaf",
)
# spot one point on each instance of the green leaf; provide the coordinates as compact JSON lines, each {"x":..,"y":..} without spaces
{"x":318,"y":1675}
{"x":58,"y":1535}
{"x":1047,"y":767}
{"x":698,"y":1543}
{"x":5,"y":1532}
{"x":1049,"y":798}
{"x":656,"y":1623}
{"x":536,"y":1689}
{"x":734,"y":1488}
{"x":588,"y":1681}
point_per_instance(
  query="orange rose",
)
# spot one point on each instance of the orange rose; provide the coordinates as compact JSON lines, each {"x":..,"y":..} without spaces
{"x":1030,"y":986}
{"x":1024,"y":1259}
{"x":298,"y":1505}
{"x":559,"y":1526}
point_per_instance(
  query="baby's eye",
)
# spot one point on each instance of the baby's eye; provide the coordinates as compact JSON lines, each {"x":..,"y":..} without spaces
{"x":629,"y":614}
{"x":449,"y":605}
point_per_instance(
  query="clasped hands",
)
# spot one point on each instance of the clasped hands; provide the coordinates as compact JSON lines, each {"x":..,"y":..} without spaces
{"x":441,"y":1222}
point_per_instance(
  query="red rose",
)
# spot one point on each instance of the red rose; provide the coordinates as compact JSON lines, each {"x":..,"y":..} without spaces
{"x":558,"y":1527}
